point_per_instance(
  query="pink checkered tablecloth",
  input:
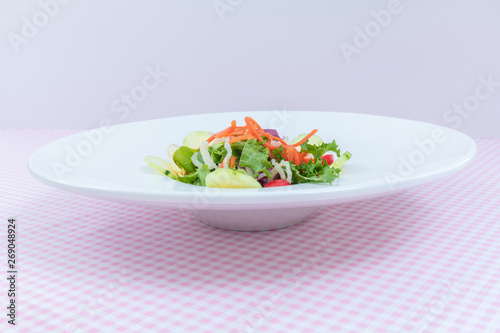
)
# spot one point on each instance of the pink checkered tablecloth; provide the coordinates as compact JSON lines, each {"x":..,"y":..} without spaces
{"x":424,"y":260}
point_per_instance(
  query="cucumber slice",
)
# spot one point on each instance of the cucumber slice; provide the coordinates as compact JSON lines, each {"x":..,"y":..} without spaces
{"x":229,"y":178}
{"x":338,"y":163}
{"x":160,"y":165}
{"x":313,"y":140}
{"x":193,"y":139}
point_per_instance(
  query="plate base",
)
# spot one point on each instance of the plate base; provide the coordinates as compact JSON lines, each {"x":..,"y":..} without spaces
{"x":254,"y":220}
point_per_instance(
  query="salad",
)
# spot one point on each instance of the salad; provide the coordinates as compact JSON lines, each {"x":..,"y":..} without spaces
{"x":250,"y":157}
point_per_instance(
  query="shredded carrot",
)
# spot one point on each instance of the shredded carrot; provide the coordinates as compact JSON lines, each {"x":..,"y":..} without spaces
{"x":249,"y":120}
{"x":252,"y":130}
{"x":276,"y":138}
{"x":210,"y":139}
{"x":255,"y":134}
{"x":302,"y":157}
{"x":253,"y":127}
{"x":221,"y":133}
{"x":238,"y":132}
{"x":304,"y":139}
{"x":239,"y":138}
{"x":232,"y":160}
{"x":289,"y":153}
{"x":270,"y":146}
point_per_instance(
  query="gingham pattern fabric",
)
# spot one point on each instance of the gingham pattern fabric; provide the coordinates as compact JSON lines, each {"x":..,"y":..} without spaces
{"x":424,"y":260}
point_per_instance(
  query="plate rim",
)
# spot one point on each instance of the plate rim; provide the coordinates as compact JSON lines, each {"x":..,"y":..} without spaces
{"x":235,"y":196}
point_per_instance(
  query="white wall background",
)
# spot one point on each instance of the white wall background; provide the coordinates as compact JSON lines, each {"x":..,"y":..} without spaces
{"x":74,"y":67}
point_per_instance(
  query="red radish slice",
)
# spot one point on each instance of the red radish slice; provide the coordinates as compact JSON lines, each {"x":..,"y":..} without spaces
{"x":328,"y":158}
{"x":278,"y":182}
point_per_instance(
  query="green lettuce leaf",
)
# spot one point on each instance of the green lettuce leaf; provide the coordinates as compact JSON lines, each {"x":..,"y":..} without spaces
{"x":217,"y":152}
{"x":278,"y":153}
{"x":203,"y":172}
{"x":319,"y":150}
{"x":314,"y":172}
{"x":192,"y":178}
{"x":237,"y":148}
{"x":255,"y":156}
{"x":182,"y":157}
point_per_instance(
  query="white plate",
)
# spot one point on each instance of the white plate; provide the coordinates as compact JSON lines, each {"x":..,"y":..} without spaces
{"x":389,"y":154}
